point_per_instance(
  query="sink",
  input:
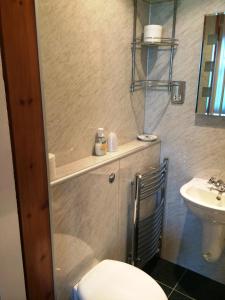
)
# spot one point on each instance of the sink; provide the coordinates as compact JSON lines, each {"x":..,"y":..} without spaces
{"x":204,"y":203}
{"x":200,"y":199}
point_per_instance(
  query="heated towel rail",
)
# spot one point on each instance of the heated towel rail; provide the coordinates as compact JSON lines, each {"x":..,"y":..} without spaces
{"x":146,"y":231}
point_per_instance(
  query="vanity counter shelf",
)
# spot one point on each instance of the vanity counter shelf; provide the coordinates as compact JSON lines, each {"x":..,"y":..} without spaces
{"x":91,"y":162}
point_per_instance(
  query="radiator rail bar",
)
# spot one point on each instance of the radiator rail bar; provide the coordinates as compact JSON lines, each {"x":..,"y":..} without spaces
{"x":147,"y":231}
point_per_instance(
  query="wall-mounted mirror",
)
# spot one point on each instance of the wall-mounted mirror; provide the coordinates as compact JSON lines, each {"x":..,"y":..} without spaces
{"x":211,"y":88}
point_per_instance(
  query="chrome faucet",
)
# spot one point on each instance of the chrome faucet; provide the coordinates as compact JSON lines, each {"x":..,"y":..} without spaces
{"x":218,"y":185}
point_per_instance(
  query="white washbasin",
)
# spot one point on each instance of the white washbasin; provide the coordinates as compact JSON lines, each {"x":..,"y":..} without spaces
{"x":197,"y":191}
{"x":204,"y":204}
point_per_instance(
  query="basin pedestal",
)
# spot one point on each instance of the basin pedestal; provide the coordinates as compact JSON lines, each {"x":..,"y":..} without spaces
{"x":203,"y":201}
{"x":213,"y":240}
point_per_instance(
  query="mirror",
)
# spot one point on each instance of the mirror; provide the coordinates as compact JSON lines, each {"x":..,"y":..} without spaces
{"x":211,"y":87}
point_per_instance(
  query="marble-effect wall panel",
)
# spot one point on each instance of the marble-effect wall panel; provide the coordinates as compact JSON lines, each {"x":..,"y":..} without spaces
{"x":84,"y":224}
{"x":85,"y":56}
{"x":195,"y":145}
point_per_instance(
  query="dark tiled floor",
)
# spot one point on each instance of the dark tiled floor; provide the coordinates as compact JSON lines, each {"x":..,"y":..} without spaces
{"x":200,"y":287}
{"x":181,"y":284}
{"x":164,"y":271}
{"x":167,"y":289}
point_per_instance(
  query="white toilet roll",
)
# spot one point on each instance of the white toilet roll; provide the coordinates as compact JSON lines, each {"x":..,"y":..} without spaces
{"x":52,"y":166}
{"x":152,"y":33}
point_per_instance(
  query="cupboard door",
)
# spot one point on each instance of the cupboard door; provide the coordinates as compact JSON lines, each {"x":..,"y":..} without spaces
{"x":129,"y":166}
{"x":85,"y":224}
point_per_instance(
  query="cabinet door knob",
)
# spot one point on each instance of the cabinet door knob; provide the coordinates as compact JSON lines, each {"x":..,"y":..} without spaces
{"x":112,"y":177}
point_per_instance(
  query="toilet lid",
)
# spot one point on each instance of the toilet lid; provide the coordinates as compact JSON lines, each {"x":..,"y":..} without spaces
{"x":114,"y":280}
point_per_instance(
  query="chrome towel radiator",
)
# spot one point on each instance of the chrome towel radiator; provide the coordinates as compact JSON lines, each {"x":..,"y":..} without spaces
{"x":145,"y":235}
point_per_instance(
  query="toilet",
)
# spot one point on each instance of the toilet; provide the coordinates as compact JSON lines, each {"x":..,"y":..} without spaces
{"x":114,"y":280}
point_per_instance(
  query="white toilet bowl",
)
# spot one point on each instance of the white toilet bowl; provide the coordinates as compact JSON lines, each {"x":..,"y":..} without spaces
{"x":114,"y":280}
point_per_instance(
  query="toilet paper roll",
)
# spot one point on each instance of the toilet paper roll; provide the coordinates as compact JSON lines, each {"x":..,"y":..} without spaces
{"x":52,"y":166}
{"x":152,"y":33}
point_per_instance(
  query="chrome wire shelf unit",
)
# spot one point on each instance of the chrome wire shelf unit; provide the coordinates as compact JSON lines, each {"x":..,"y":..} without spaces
{"x":157,"y":1}
{"x":147,"y":230}
{"x":157,"y":84}
{"x":162,"y":42}
{"x":172,"y":43}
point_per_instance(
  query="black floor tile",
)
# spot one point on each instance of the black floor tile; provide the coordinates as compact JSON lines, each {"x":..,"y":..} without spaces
{"x":167,"y":290}
{"x":177,"y":296}
{"x":164,"y":271}
{"x":200,"y":287}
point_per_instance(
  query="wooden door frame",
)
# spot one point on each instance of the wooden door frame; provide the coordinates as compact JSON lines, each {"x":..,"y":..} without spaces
{"x":19,"y":50}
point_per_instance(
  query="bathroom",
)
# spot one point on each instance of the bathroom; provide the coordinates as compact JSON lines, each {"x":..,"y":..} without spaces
{"x":67,"y":69}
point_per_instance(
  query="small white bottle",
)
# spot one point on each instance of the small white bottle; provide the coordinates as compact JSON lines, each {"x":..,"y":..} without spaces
{"x":100,"y":143}
{"x":112,"y":142}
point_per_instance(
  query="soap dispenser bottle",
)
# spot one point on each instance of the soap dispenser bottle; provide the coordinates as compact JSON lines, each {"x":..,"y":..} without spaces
{"x":100,"y":144}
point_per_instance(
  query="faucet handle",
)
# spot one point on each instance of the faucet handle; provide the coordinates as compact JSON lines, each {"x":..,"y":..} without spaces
{"x":212,"y":180}
{"x":219,"y":183}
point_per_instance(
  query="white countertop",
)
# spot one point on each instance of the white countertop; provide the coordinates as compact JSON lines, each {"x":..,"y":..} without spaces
{"x":89,"y":163}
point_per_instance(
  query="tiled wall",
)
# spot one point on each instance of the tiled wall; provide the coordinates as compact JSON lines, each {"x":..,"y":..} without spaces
{"x":86,"y":70}
{"x":195,"y":145}
{"x":85,"y":55}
